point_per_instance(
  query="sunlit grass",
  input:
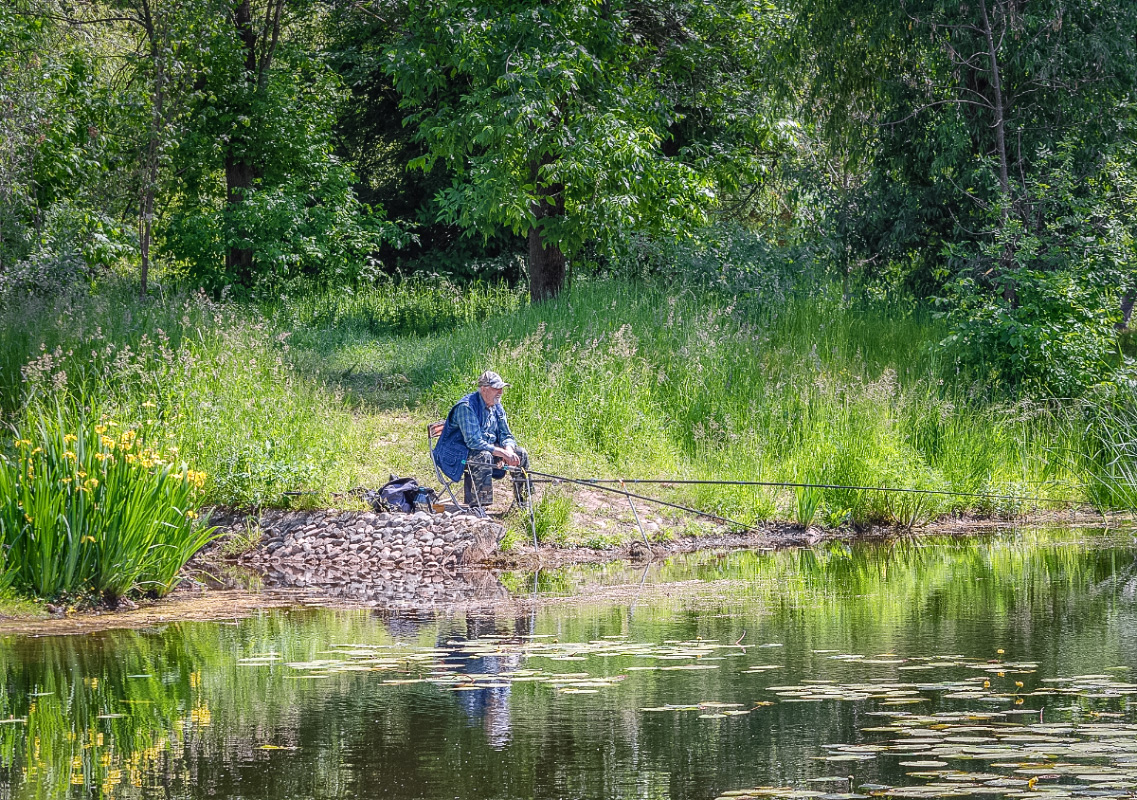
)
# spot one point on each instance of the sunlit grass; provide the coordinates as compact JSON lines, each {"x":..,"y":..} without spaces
{"x":325,"y":394}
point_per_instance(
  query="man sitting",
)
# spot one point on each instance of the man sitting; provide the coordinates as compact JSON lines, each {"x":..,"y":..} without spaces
{"x":477,"y":445}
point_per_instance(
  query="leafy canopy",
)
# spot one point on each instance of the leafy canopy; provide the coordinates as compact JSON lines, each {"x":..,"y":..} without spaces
{"x":603,"y":108}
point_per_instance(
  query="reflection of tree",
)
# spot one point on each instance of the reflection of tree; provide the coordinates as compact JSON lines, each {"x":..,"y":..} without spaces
{"x":196,"y":724}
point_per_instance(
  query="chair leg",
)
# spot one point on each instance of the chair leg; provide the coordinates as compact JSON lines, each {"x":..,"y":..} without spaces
{"x":476,"y":507}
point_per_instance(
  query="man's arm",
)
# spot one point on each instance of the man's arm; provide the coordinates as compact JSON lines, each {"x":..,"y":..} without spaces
{"x":475,"y":437}
{"x":472,"y":432}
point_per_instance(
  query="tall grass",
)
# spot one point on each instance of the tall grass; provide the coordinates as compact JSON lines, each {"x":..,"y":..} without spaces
{"x":1109,"y":460}
{"x":630,"y":379}
{"x":215,"y":380}
{"x":613,"y":378}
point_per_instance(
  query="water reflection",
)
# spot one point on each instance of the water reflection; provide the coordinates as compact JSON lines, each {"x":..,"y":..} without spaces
{"x":551,"y":704}
{"x":487,"y":704}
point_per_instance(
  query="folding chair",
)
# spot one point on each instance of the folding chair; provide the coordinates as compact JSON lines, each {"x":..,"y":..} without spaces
{"x":433,"y":434}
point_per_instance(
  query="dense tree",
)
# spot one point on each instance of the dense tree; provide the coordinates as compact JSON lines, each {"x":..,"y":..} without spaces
{"x":262,"y":201}
{"x":67,"y":179}
{"x":577,"y":121}
{"x":992,"y":167}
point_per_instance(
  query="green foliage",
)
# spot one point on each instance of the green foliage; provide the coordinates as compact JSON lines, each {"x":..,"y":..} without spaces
{"x":553,"y":513}
{"x":300,"y":218}
{"x":60,"y":206}
{"x":1056,"y":338}
{"x":302,"y":235}
{"x":590,"y":108}
{"x":73,"y":247}
{"x":1034,"y":306}
{"x":949,"y":169}
{"x":86,"y":506}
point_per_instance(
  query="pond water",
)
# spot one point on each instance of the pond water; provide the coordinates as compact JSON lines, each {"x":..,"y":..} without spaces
{"x":929,"y":668}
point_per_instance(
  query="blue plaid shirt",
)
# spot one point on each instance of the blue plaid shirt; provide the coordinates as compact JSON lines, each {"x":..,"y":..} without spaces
{"x":477,"y":437}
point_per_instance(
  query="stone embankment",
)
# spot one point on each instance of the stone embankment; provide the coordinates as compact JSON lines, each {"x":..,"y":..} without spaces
{"x":380,"y":558}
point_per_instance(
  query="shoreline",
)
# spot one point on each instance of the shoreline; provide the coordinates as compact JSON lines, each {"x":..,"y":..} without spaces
{"x":212,"y":593}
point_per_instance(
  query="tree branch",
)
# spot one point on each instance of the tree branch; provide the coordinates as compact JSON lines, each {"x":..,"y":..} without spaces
{"x":954,"y":101}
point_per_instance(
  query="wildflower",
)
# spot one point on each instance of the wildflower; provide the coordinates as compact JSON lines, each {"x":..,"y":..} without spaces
{"x":101,"y":456}
{"x":100,"y":429}
{"x":191,"y":515}
{"x":91,"y":483}
{"x":108,"y":442}
{"x":70,"y":456}
{"x":69,"y":438}
{"x":149,"y":404}
{"x":81,"y":474}
{"x":28,"y":517}
{"x":131,"y":458}
{"x":86,"y":539}
{"x":173,"y":451}
{"x":23,"y":442}
{"x":37,"y":450}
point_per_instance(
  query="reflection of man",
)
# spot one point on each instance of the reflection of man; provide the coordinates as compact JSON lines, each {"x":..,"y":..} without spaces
{"x":476,"y":443}
{"x":490,"y":705}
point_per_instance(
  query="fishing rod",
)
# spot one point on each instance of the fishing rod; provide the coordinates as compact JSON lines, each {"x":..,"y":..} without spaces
{"x":626,"y":493}
{"x":598,"y":482}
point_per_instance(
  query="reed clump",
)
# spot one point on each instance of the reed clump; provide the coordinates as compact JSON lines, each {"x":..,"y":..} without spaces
{"x":90,"y":507}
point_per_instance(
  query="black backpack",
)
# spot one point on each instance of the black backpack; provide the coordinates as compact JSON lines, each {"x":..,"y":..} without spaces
{"x":399,"y":494}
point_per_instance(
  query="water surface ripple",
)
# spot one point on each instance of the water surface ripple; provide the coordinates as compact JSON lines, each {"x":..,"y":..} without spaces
{"x":924,"y":668}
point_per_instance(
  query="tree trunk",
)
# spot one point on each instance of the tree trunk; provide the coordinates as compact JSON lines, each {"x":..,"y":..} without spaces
{"x":546,"y":261}
{"x":1127,"y":300}
{"x":240,"y":173}
{"x":239,"y":177}
{"x":1009,"y":293}
{"x":546,"y":268}
{"x":153,"y":146}
{"x":997,"y":88}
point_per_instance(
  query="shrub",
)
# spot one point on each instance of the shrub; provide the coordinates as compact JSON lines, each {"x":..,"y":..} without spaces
{"x":88,"y":507}
{"x":74,"y":247}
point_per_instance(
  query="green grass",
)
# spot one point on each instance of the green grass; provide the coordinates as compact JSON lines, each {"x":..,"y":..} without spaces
{"x":15,"y":606}
{"x":328,"y":393}
{"x":1108,"y":461}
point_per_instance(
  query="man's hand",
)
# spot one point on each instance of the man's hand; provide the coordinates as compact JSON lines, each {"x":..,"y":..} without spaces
{"x":507,"y":455}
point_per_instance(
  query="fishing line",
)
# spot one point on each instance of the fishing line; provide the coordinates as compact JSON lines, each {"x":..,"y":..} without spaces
{"x":626,"y":493}
{"x":598,"y":482}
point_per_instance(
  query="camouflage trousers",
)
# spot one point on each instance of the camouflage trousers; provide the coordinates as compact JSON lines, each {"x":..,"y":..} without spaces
{"x":482,"y":468}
